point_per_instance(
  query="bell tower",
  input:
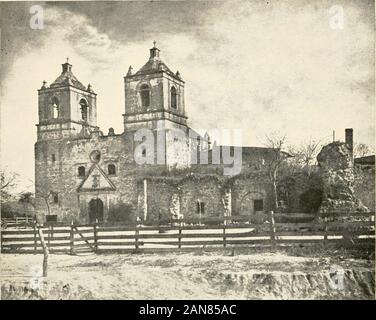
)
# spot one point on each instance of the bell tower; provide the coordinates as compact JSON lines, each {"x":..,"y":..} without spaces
{"x":154,"y":94}
{"x":66,"y":108}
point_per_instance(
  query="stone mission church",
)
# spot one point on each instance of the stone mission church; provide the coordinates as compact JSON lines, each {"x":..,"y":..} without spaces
{"x":82,"y":174}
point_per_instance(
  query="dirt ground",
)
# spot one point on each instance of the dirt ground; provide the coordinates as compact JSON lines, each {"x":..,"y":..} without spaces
{"x":203,"y":275}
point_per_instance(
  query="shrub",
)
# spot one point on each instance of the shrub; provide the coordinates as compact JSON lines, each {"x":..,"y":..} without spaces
{"x":120,"y":212}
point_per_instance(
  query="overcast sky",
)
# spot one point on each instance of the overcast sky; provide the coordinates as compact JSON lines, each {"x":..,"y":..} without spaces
{"x":260,"y":66}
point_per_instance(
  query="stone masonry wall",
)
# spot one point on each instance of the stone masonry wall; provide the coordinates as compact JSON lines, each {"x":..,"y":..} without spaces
{"x":61,"y":176}
{"x":166,"y":194}
{"x":337,"y":173}
{"x":364,"y":186}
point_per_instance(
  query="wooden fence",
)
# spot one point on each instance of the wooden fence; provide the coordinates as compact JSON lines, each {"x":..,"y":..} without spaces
{"x":22,"y":222}
{"x":192,"y":234}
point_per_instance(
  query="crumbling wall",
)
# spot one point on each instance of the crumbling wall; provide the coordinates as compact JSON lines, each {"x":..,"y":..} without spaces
{"x":337,"y":173}
{"x":364,"y":187}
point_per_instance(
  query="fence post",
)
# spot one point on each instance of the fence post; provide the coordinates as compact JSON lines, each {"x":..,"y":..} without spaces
{"x":272,"y":229}
{"x":49,"y":235}
{"x":35,"y":236}
{"x":179,"y":237}
{"x":71,"y":240}
{"x":95,"y":236}
{"x":136,"y":234}
{"x":1,"y":235}
{"x":224,"y":234}
{"x":324,"y":242}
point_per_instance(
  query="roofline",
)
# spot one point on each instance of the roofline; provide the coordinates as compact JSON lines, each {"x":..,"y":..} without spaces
{"x":150,"y":73}
{"x":250,"y":147}
{"x":67,"y":86}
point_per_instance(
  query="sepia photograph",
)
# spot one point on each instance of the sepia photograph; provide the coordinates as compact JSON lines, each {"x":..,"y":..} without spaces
{"x":187,"y":150}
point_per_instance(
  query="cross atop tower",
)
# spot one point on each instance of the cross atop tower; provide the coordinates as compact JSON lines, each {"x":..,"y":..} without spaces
{"x":154,"y":52}
{"x":67,"y":67}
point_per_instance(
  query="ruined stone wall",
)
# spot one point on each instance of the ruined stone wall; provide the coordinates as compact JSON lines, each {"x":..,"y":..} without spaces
{"x":160,"y":192}
{"x":364,"y":187}
{"x":179,"y":196}
{"x":207,"y":184}
{"x":246,"y":189}
{"x":337,"y":173}
{"x":207,"y":190}
{"x":164,"y":194}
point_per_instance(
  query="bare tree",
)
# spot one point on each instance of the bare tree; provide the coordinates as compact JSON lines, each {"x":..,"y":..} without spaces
{"x":276,"y":143}
{"x":28,"y":198}
{"x":45,"y":191}
{"x":299,"y":178}
{"x":45,"y":195}
{"x":8,"y":180}
{"x":309,"y":151}
{"x":305,"y":155}
{"x":362,"y":150}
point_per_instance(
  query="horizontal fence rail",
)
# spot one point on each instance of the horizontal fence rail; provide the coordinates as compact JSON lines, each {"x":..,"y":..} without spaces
{"x":357,"y":230}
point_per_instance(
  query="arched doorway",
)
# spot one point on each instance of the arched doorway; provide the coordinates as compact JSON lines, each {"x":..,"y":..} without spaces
{"x":95,"y":210}
{"x":252,"y":204}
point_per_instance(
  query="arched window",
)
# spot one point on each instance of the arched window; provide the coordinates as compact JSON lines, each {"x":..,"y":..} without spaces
{"x":174,"y":99}
{"x":83,"y":105}
{"x":55,"y":108}
{"x":81,"y":172}
{"x":111,"y":169}
{"x":145,"y":95}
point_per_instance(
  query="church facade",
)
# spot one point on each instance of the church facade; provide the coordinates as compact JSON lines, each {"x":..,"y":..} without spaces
{"x":83,"y":175}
